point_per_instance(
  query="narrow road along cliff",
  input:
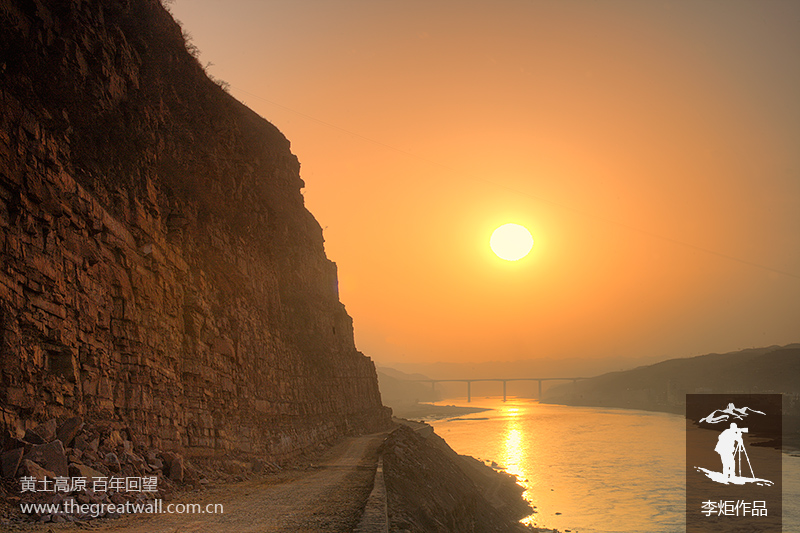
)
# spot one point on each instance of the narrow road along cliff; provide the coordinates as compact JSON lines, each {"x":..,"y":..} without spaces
{"x":328,"y":496}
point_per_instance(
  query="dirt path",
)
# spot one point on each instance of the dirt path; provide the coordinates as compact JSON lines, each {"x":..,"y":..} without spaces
{"x":327,"y":497}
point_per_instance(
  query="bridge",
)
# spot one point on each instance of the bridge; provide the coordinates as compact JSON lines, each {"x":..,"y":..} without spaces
{"x":469,"y":382}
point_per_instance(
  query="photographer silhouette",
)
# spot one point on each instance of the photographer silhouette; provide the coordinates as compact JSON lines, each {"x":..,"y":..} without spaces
{"x":728,"y":443}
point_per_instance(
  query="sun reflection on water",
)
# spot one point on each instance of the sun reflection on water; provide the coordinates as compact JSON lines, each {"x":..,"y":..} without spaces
{"x":576,"y":465}
{"x":514,"y":454}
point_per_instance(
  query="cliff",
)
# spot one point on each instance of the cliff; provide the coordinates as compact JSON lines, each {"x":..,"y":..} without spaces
{"x":160,"y":273}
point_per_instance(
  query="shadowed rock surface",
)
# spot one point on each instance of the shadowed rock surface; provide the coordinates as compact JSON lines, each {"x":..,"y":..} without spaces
{"x":431,"y":488}
{"x":160,"y":275}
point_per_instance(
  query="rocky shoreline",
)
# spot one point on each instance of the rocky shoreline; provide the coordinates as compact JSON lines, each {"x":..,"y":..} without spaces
{"x":431,"y":488}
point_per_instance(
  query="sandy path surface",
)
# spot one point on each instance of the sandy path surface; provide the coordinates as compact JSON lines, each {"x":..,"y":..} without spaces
{"x":328,"y":496}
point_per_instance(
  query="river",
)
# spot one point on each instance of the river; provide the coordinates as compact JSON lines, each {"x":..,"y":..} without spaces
{"x":592,"y":470}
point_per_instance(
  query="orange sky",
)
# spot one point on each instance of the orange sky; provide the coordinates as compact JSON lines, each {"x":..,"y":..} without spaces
{"x":651,"y":148}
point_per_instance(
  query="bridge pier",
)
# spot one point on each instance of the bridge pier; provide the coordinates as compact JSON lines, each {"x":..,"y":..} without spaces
{"x":540,"y":390}
{"x":469,"y":391}
{"x":504,"y":390}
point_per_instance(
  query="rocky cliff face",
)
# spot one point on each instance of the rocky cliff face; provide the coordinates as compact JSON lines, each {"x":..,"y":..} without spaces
{"x":160,"y":272}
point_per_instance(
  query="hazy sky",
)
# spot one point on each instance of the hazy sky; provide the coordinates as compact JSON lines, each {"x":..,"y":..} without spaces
{"x":652,"y":149}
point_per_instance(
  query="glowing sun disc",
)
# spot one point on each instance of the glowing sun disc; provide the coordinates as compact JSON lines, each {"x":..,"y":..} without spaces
{"x":511,"y":242}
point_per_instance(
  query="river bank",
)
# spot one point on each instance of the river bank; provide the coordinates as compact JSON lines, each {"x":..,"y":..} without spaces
{"x":432,"y":411}
{"x":431,"y":488}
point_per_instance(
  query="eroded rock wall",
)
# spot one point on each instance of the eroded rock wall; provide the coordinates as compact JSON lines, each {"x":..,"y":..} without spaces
{"x":159,"y":269}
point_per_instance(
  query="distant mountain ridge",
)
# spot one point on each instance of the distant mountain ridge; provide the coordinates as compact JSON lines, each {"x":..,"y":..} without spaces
{"x":663,"y":386}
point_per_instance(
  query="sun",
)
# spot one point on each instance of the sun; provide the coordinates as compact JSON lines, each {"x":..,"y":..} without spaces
{"x":511,"y":242}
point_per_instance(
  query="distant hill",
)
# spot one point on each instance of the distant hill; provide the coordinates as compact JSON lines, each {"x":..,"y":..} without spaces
{"x":410,"y":399}
{"x":397,"y":389}
{"x":663,"y":386}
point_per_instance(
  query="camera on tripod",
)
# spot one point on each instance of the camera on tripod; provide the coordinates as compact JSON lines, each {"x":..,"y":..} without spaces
{"x":744,"y":430}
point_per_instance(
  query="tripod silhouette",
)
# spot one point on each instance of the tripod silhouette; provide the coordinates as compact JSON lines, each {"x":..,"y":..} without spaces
{"x":739,"y":452}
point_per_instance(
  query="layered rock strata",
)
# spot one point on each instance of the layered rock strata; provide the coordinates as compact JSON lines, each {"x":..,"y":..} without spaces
{"x":160,"y":274}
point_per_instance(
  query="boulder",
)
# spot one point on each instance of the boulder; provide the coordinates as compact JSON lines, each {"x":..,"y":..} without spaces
{"x":154,"y":461}
{"x":174,"y":464}
{"x":135,"y":460}
{"x":51,"y":456}
{"x":33,"y":438}
{"x":13,"y":443}
{"x":112,"y":462}
{"x":29,"y":468}
{"x":90,"y":457}
{"x":69,"y":429}
{"x":113,"y":440}
{"x":11,"y":460}
{"x":81,"y":470}
{"x":74,"y":455}
{"x":81,"y":443}
{"x":45,"y":432}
